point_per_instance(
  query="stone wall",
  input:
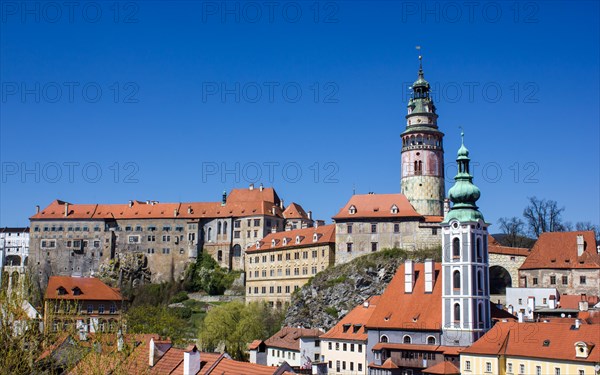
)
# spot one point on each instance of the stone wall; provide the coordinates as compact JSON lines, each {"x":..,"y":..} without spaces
{"x":573,"y":285}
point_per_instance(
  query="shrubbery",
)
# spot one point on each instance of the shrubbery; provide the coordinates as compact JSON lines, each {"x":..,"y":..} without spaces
{"x":206,"y":275}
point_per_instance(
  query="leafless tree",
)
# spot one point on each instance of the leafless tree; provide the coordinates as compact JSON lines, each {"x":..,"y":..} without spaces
{"x":543,"y":215}
{"x":514,"y":230}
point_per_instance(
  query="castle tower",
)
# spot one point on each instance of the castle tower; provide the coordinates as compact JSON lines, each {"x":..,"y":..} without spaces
{"x":422,"y":169}
{"x":465,"y":269}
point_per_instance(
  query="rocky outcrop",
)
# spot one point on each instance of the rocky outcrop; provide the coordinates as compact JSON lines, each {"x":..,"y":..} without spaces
{"x":126,"y":270}
{"x":331,"y":294}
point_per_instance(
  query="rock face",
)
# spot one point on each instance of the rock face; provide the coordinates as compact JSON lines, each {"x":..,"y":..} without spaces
{"x":332,"y":293}
{"x":127,"y":269}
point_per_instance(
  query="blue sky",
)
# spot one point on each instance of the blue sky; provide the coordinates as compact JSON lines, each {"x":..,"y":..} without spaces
{"x":178,"y":101}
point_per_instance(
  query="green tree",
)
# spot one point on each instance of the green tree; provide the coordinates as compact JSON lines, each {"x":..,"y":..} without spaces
{"x":156,"y":319}
{"x":233,"y":325}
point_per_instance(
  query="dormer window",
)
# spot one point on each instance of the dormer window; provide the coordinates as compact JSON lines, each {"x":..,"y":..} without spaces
{"x":273,"y":243}
{"x":581,"y":349}
{"x":61,"y":291}
{"x":76,"y":291}
{"x":315,"y":237}
{"x":352,"y":210}
{"x":394,"y":209}
{"x":257,"y":245}
{"x":284,"y":241}
{"x":297,"y":240}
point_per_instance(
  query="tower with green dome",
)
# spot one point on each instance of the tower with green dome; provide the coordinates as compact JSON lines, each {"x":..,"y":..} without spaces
{"x":465,"y":268}
{"x":422,"y":156}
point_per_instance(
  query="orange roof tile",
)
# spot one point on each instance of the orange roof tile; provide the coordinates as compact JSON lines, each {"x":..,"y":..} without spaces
{"x":572,"y":301}
{"x":172,"y":358}
{"x":289,"y":337}
{"x":91,"y":289}
{"x":554,"y":341}
{"x":325,"y":235}
{"x":449,"y":350}
{"x":377,"y":206}
{"x":433,"y":219}
{"x":494,"y":247}
{"x":227,"y":366}
{"x":295,"y":211}
{"x":388,"y":364}
{"x":442,"y":368}
{"x":555,"y":250}
{"x":254,"y":344}
{"x":417,"y":310}
{"x":352,"y":326}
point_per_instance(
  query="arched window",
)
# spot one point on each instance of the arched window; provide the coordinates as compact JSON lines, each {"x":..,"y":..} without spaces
{"x":479,"y":250}
{"x":431,"y":340}
{"x":456,"y":280}
{"x":406,"y":339}
{"x":383,"y":338}
{"x":479,"y":282}
{"x":480,"y":314}
{"x":225,"y":228}
{"x":209,"y":234}
{"x":456,"y":248}
{"x":218,"y":228}
{"x":457,"y":313}
{"x":220,"y":255}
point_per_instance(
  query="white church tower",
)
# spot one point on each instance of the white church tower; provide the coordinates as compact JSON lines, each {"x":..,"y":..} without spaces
{"x":465,"y":269}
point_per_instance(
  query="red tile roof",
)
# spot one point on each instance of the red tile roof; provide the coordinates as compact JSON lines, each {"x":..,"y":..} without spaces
{"x":295,"y":211}
{"x":554,"y":341}
{"x":572,"y":301}
{"x":357,"y":318}
{"x":442,"y":368}
{"x":325,"y":235}
{"x":449,"y":350}
{"x":433,"y":219}
{"x":377,"y":206}
{"x":417,"y":310}
{"x":228,"y":366}
{"x":254,"y":344}
{"x":289,"y":337}
{"x":240,"y":203}
{"x":494,"y":247}
{"x":388,"y":364}
{"x":91,"y":289}
{"x":558,"y":250}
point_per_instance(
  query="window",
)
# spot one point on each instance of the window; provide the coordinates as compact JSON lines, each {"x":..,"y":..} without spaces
{"x":456,"y":280}
{"x":456,"y":313}
{"x":360,"y":367}
{"x":329,"y":346}
{"x":349,"y":246}
{"x":468,"y":365}
{"x":305,"y":255}
{"x":538,"y":370}
{"x":168,"y":238}
{"x":582,"y":280}
{"x":351,"y":347}
{"x":431,"y":340}
{"x":565,"y":280}
{"x":113,"y":308}
{"x":557,"y":371}
{"x":287,"y":288}
{"x":349,"y":227}
{"x":134,"y":239}
{"x":100,"y":309}
{"x":553,"y":280}
{"x":509,"y":368}
{"x":535,"y":281}
{"x":315,"y":253}
{"x":90,"y":309}
{"x":456,"y":248}
{"x":521,"y":369}
{"x":396,"y":228}
{"x":373,"y":228}
{"x":345,"y":347}
{"x":383,"y":338}
{"x":434,"y":231}
{"x":488,"y":367}
{"x":406,"y":339}
{"x":359,"y":347}
{"x":236,"y":234}
{"x":373,"y":246}
{"x":166,"y":250}
{"x":248,"y":234}
{"x":237,"y":224}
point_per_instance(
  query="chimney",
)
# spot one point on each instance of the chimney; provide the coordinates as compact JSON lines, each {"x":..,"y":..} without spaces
{"x":224,"y":198}
{"x":130,"y":204}
{"x":273,"y":210}
{"x":37,"y":209}
{"x":309,"y":215}
{"x":552,"y":302}
{"x":520,"y":316}
{"x":175,"y":212}
{"x":583,"y":303}
{"x":511,"y":310}
{"x":191,"y":361}
{"x":274,"y":229}
{"x":251,"y":187}
{"x":530,"y":307}
{"x":409,"y":276}
{"x":579,"y":245}
{"x":261,"y":187}
{"x":429,"y":275}
{"x":281,"y":204}
{"x":577,"y":323}
{"x":120,"y":341}
{"x":446,"y":206}
{"x":189,"y":209}
{"x":66,"y":209}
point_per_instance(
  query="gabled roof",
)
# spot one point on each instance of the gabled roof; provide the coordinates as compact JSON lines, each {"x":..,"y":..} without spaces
{"x":418,"y":310}
{"x":572,"y":301}
{"x":494,"y":247}
{"x":289,"y":337}
{"x":388,"y":364}
{"x":558,"y":250}
{"x":442,"y":368}
{"x":295,"y":211}
{"x":352,"y":326}
{"x":325,"y":235}
{"x":554,"y":341}
{"x":91,"y":289}
{"x":377,"y":206}
{"x":240,"y":203}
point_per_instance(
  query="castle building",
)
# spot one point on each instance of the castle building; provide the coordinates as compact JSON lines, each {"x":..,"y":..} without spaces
{"x":283,"y":262}
{"x":465,"y":268}
{"x":422,"y":156}
{"x":14,"y":254}
{"x":75,"y":239}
